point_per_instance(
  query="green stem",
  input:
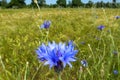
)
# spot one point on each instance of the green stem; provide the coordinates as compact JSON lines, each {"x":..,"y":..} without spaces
{"x":92,"y":52}
{"x":59,"y":76}
{"x":36,"y":72}
{"x":25,"y":77}
{"x":47,"y":34}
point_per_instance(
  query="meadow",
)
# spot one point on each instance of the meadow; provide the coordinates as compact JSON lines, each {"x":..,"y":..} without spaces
{"x":21,"y":35}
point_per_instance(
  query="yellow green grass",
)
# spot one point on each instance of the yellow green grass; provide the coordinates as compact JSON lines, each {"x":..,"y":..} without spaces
{"x":20,"y":36}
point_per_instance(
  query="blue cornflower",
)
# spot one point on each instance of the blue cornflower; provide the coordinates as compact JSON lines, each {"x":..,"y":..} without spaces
{"x":57,"y":55}
{"x":101,"y":27}
{"x":115,"y":72}
{"x":84,"y":63}
{"x":117,"y":17}
{"x":46,"y":24}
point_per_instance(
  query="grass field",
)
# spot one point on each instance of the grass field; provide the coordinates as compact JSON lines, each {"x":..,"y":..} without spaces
{"x":20,"y":36}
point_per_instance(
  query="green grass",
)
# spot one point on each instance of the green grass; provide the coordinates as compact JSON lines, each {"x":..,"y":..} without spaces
{"x":20,"y":36}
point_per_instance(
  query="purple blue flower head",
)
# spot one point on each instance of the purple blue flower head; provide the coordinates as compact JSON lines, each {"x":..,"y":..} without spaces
{"x":117,"y":17}
{"x":101,"y":27}
{"x":57,"y":55}
{"x":84,"y":63}
{"x":45,"y":25}
{"x":115,"y":72}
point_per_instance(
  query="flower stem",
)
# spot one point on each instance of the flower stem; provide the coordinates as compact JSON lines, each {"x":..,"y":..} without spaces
{"x":59,"y":76}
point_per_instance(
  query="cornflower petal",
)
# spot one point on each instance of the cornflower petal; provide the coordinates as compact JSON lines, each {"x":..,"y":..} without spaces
{"x":69,"y":64}
{"x":84,"y":63}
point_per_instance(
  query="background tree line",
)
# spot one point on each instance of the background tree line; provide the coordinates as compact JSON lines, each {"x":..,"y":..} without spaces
{"x":59,"y":3}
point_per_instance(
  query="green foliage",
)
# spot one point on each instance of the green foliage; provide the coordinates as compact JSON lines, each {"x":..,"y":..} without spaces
{"x":61,"y":3}
{"x":0,"y":3}
{"x":20,"y":36}
{"x":3,"y":3}
{"x":114,"y":1}
{"x":76,"y":3}
{"x":90,"y":4}
{"x":16,"y":4}
{"x":102,"y":4}
{"x":108,"y":5}
{"x":41,"y":3}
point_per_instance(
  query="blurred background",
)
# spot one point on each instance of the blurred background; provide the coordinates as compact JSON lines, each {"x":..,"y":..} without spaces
{"x":60,"y":3}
